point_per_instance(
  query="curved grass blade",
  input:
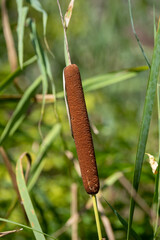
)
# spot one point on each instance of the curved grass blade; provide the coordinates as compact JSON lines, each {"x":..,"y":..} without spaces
{"x":123,"y":222}
{"x":26,"y":198}
{"x":42,"y":64}
{"x":39,"y":162}
{"x":13,"y":75}
{"x":137,"y":38}
{"x":108,"y":79}
{"x":20,"y":109}
{"x":37,"y":6}
{"x":26,"y":227}
{"x":49,"y":73}
{"x":97,"y":83}
{"x":147,"y":112}
{"x":22,"y":14}
{"x":156,"y":200}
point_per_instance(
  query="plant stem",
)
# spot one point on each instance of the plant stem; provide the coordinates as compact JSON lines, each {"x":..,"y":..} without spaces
{"x":97,"y":216}
{"x":66,"y":48}
{"x":157,"y":181}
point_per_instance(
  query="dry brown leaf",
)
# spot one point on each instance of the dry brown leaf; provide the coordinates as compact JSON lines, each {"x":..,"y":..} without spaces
{"x":68,"y":14}
{"x":2,"y":234}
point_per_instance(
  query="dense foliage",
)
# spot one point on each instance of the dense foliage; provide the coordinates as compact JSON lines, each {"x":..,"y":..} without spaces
{"x":101,"y":41}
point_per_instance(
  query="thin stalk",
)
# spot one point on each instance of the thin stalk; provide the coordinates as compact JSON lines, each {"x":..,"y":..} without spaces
{"x":156,"y":197}
{"x":97,"y":216}
{"x":66,"y":48}
{"x":135,"y":34}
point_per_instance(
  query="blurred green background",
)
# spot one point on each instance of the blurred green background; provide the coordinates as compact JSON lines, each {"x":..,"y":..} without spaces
{"x":100,"y":41}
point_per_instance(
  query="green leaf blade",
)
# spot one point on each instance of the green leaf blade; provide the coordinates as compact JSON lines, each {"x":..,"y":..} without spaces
{"x":26,"y":200}
{"x":148,"y":107}
{"x":20,"y":109}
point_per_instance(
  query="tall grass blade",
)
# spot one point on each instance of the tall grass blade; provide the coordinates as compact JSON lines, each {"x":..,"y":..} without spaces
{"x":50,"y":76}
{"x":21,"y":108}
{"x":42,"y":64}
{"x":39,"y":162}
{"x":157,"y":235}
{"x":148,"y":106}
{"x":22,"y":14}
{"x":8,"y":80}
{"x":26,"y":198}
{"x":37,"y":6}
{"x":101,"y":81}
{"x":137,"y":38}
{"x":156,"y":192}
{"x":154,"y":22}
{"x":123,"y":222}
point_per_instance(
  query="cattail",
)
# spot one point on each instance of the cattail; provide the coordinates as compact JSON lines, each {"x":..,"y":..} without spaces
{"x":81,"y":129}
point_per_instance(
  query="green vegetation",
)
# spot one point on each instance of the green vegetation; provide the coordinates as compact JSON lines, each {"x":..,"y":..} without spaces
{"x":120,"y":77}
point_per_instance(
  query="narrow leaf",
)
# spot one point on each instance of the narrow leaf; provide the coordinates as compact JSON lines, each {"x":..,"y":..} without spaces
{"x":8,"y":80}
{"x":49,"y":73}
{"x":22,"y":14}
{"x":21,"y":108}
{"x":41,"y":62}
{"x":123,"y":222}
{"x":26,"y":198}
{"x":135,"y":34}
{"x":156,"y":199}
{"x":148,"y":107}
{"x":37,"y":6}
{"x":98,"y":82}
{"x":39,"y":162}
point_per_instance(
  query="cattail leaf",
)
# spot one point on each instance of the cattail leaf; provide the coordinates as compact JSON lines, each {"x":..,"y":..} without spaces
{"x":26,"y":198}
{"x":68,"y":14}
{"x":39,"y":162}
{"x":37,"y":6}
{"x":49,"y":73}
{"x":123,"y":222}
{"x":21,"y":108}
{"x":41,"y":62}
{"x":157,"y":234}
{"x":154,"y":22}
{"x":101,"y":81}
{"x":148,"y":107}
{"x":156,"y":199}
{"x":17,"y":124}
{"x":135,"y":34}
{"x":22,"y":14}
{"x":8,"y":80}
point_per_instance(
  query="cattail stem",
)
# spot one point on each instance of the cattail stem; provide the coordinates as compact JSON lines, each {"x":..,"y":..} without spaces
{"x":97,"y":217}
{"x":66,"y":48}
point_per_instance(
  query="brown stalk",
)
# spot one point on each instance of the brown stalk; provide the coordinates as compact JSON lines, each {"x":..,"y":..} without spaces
{"x":128,"y":186}
{"x":12,"y":55}
{"x":74,"y":211}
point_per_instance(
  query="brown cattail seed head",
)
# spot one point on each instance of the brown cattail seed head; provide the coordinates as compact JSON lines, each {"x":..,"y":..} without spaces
{"x":81,"y":129}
